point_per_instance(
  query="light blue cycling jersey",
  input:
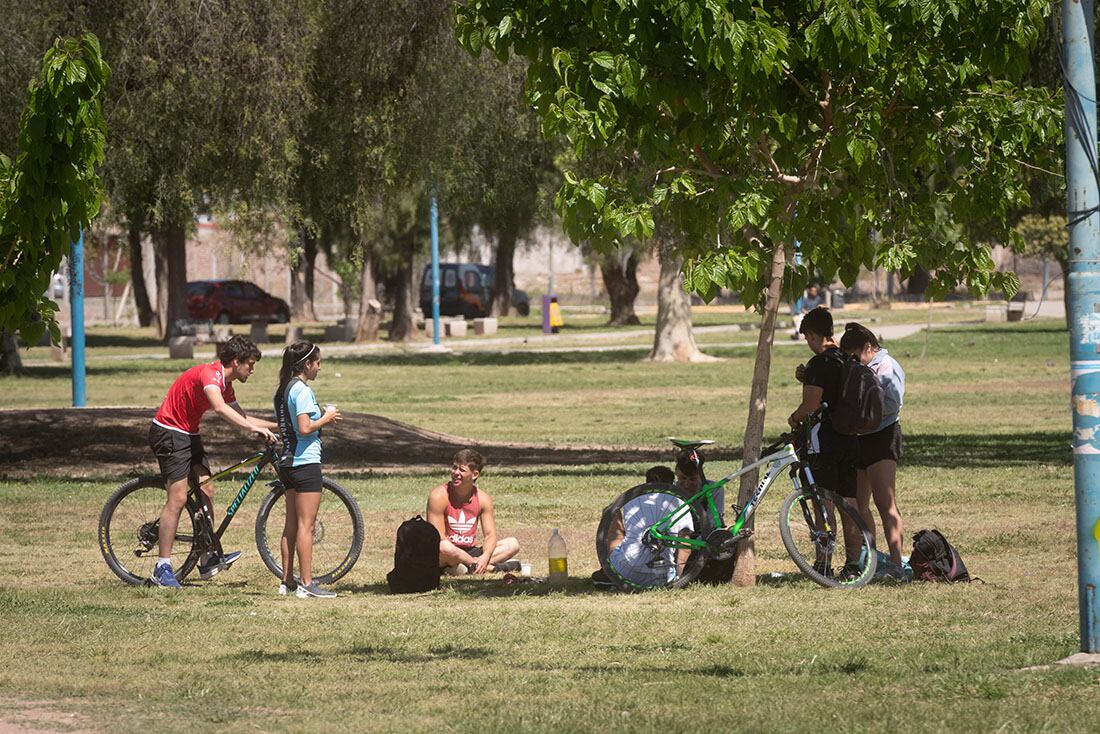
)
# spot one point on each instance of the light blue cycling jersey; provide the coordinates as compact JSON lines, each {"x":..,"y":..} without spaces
{"x":303,"y":448}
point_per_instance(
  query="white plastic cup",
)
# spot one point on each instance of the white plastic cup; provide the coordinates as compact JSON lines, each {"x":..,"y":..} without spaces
{"x":525,"y":569}
{"x":330,"y":407}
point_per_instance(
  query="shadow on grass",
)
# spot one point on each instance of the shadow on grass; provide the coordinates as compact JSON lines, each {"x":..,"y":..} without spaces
{"x":494,"y":359}
{"x":128,"y":341}
{"x":974,"y":450}
{"x":364,"y":653}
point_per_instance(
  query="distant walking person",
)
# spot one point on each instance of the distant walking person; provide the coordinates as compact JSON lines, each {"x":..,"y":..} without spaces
{"x":175,"y":440}
{"x":300,"y":420}
{"x":880,"y":450}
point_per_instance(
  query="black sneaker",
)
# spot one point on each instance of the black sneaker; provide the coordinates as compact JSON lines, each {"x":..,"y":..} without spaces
{"x":506,"y":567}
{"x":823,"y":569}
{"x":849,"y":573}
{"x":601,"y":581}
{"x":210,"y":567}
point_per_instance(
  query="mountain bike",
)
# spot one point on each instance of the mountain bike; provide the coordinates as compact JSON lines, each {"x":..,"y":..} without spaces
{"x":129,"y":526}
{"x":654,"y":536}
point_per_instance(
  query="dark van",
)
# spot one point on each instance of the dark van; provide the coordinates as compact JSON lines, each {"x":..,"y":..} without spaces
{"x":465,"y":289}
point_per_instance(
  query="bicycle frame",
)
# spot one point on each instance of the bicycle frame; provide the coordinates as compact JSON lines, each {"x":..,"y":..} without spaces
{"x":778,"y":462}
{"x":261,"y":459}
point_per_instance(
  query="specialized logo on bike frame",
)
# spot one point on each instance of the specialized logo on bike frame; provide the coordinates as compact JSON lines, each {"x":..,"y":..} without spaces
{"x":244,"y":490}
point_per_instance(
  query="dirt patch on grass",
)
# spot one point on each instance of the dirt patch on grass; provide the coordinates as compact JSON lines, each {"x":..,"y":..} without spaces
{"x":102,"y":441}
{"x":39,"y":717}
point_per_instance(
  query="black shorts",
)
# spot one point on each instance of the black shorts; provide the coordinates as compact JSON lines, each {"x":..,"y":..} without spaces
{"x":474,"y":551}
{"x":880,"y":446}
{"x":836,"y":470}
{"x":177,"y":453}
{"x":304,"y":478}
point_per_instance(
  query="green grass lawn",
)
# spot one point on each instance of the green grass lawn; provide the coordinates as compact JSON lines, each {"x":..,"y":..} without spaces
{"x":986,"y":460}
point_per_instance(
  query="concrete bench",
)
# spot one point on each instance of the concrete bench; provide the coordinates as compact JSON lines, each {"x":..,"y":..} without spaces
{"x":181,"y":347}
{"x":996,"y":313}
{"x":456,"y":327}
{"x":258,"y":332}
{"x":485,"y":326}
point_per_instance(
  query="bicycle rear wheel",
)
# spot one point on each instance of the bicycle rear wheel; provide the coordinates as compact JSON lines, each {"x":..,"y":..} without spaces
{"x":817,"y":551}
{"x":632,"y":560}
{"x":129,"y":528}
{"x":337,"y":534}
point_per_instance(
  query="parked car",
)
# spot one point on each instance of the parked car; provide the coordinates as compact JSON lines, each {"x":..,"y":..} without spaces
{"x":233,"y":302}
{"x":520,"y":300}
{"x":465,"y":289}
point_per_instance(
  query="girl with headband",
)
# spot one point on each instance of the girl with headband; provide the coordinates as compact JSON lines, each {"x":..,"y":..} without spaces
{"x":300,"y":420}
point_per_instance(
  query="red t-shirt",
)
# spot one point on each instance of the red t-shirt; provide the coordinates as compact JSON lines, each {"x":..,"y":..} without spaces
{"x":461,"y":520}
{"x":185,"y":403}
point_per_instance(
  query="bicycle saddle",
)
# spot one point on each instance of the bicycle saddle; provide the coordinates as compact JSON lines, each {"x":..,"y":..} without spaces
{"x":690,"y":443}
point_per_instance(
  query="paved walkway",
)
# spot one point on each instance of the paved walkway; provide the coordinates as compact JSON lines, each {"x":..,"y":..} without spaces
{"x":593,"y":341}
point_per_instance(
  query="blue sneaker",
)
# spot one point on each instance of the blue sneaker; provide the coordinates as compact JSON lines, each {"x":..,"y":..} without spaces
{"x":210,"y":567}
{"x":163,"y":576}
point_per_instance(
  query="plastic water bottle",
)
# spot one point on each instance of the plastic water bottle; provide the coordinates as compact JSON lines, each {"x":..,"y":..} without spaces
{"x":559,"y":563}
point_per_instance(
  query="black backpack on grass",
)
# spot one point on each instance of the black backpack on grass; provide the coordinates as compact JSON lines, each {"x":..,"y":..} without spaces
{"x":860,"y":407}
{"x":934,"y":559}
{"x":415,"y":558}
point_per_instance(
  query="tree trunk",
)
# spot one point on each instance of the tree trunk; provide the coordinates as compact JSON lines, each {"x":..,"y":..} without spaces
{"x":620,"y":278}
{"x":370,"y":310}
{"x":171,"y":249}
{"x":744,"y":573}
{"x":309,"y":244}
{"x":504,"y":278}
{"x":403,"y":327}
{"x":673,"y":340}
{"x":918,"y":281}
{"x":142,"y":305}
{"x":301,"y":274}
{"x":10,"y":361}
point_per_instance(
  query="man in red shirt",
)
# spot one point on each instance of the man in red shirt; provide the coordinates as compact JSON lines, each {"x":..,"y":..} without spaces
{"x":174,"y":438}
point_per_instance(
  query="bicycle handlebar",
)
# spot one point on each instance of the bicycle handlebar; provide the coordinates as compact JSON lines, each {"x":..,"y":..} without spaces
{"x":792,"y":436}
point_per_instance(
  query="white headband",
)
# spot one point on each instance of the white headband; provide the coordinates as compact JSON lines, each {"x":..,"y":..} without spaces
{"x":311,"y":351}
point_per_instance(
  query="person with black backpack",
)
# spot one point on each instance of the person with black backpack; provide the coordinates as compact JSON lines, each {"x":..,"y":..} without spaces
{"x":833,"y":454}
{"x":880,"y":449}
{"x":300,"y":419}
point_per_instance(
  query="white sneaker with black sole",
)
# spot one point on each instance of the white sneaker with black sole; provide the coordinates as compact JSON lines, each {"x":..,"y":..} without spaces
{"x":313,"y":591}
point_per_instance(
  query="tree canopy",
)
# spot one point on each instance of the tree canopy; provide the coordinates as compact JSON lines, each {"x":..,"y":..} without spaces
{"x":811,"y":122}
{"x":52,"y":189}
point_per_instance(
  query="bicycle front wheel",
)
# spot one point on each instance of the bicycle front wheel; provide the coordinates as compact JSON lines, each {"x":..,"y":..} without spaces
{"x":810,"y":524}
{"x":129,"y":530}
{"x":337,"y":534}
{"x":631,"y":558}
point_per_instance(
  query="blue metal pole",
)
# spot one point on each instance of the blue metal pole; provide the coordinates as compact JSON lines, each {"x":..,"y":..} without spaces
{"x":435,"y":273}
{"x":1084,"y":302}
{"x":76,"y":302}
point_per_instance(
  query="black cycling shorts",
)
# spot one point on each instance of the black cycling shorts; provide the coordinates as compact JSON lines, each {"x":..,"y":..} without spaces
{"x":836,"y":469}
{"x":304,"y":478}
{"x":880,"y":446}
{"x":177,"y":453}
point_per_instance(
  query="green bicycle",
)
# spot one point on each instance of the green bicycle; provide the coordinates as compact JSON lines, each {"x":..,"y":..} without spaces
{"x":653,"y":536}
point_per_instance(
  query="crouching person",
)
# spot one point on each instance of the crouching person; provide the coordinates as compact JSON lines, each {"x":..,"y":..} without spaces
{"x":455,"y":509}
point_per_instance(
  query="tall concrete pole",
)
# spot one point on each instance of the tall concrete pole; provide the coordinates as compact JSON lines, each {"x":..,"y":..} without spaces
{"x":1084,"y":301}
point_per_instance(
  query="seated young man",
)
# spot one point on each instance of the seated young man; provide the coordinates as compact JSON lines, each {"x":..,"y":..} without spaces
{"x":455,"y":509}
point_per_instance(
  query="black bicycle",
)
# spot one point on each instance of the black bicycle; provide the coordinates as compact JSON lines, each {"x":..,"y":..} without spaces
{"x":129,"y":526}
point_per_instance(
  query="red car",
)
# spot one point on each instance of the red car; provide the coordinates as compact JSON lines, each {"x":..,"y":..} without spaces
{"x":233,"y":302}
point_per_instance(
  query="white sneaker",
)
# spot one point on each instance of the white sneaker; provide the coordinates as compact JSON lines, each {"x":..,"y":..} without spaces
{"x":306,"y":591}
{"x":459,"y":569}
